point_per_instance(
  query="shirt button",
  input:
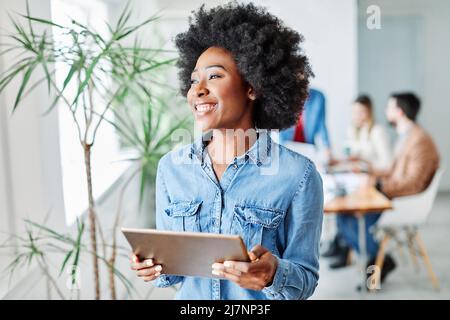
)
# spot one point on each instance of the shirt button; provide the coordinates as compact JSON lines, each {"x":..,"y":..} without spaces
{"x":235,"y":166}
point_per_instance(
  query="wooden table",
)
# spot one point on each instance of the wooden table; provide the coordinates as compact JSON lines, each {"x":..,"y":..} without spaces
{"x":359,"y":203}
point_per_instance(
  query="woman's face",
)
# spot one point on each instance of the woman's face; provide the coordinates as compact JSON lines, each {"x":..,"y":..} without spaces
{"x":360,"y":114}
{"x":218,"y":97}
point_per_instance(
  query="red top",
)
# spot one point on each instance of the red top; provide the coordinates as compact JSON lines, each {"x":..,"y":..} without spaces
{"x":299,"y":135}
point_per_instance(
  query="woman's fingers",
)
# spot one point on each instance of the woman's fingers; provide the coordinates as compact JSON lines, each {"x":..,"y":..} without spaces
{"x":218,"y":269}
{"x":237,"y":265}
{"x":252,"y":256}
{"x":243,"y":280}
{"x":258,"y":251}
{"x":229,"y":276}
{"x":142,"y":265}
{"x":151,"y":271}
{"x":151,"y":277}
{"x":145,"y":269}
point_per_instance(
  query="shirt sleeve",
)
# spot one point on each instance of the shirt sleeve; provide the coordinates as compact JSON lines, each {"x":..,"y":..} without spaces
{"x":297,"y":273}
{"x":163,"y":223}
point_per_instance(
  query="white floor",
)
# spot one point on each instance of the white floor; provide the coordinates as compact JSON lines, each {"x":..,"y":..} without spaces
{"x":403,"y":283}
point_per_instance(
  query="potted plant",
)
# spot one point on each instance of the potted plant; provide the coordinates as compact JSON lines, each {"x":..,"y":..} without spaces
{"x":90,"y":57}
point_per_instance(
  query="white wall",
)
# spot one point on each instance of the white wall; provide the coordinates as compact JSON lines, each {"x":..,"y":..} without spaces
{"x":434,"y":64}
{"x":330,"y":31}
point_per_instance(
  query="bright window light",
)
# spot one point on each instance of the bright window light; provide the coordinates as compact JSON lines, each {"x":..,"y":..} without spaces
{"x":106,"y":167}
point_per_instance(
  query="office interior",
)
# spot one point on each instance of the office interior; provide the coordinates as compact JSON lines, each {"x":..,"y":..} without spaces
{"x":42,"y":177}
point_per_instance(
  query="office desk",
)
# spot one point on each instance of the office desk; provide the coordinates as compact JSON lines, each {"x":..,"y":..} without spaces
{"x":364,"y":200}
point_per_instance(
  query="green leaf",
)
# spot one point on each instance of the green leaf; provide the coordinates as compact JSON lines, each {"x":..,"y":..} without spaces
{"x":124,"y":16}
{"x":14,"y":262}
{"x":66,"y":259}
{"x":159,"y":64}
{"x":25,"y":79}
{"x":78,"y":243}
{"x":142,"y":186}
{"x":130,"y":30}
{"x":87,"y":77}
{"x":29,"y":21}
{"x":70,"y":74}
{"x":8,"y":78}
{"x":27,"y":43}
{"x":37,"y":83}
{"x":47,"y":75}
{"x":44,"y":21}
{"x":51,"y":232}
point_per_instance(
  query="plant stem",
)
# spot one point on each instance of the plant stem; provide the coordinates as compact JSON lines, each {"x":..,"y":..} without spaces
{"x":92,"y":218}
{"x":112,"y":260}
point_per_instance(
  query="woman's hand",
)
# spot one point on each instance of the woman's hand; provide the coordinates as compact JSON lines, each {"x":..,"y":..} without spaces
{"x":145,"y":269}
{"x":254,"y":275}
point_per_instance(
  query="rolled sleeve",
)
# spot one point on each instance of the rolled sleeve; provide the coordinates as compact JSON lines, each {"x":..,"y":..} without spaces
{"x":279,"y":279}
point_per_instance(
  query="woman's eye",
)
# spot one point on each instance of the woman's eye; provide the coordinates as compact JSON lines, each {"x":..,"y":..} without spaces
{"x":193,"y":81}
{"x":214,"y":76}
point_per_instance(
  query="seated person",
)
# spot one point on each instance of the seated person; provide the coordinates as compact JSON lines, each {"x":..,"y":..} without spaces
{"x":416,"y":160}
{"x":368,"y":142}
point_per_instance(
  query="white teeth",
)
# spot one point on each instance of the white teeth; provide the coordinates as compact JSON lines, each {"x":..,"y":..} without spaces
{"x":205,"y":107}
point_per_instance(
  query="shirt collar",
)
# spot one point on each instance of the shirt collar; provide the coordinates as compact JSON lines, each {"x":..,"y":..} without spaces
{"x":258,"y":153}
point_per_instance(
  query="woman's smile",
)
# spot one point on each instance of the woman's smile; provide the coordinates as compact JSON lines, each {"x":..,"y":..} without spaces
{"x":203,"y":108}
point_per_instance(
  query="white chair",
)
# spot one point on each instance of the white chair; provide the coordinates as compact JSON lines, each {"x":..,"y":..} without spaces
{"x":408,"y":214}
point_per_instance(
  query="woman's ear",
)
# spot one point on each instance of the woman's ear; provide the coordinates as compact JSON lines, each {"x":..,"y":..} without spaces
{"x":251,"y":94}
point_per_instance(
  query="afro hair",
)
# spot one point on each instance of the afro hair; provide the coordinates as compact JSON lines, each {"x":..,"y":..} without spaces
{"x":267,"y":54}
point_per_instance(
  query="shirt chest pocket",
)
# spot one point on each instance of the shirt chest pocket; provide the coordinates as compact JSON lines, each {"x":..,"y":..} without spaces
{"x":185,"y":215}
{"x":257,"y":225}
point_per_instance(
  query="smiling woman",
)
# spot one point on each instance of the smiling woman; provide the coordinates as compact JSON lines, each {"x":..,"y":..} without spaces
{"x":243,"y":73}
{"x":217,"y":91}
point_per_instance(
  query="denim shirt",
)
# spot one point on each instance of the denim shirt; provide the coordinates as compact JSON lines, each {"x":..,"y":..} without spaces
{"x":270,"y":196}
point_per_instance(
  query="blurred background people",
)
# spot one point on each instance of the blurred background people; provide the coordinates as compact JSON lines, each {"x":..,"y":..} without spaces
{"x":311,"y":125}
{"x":416,"y":160}
{"x":368,"y":143}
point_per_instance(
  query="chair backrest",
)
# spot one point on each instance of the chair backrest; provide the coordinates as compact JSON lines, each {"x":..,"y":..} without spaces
{"x":414,"y":209}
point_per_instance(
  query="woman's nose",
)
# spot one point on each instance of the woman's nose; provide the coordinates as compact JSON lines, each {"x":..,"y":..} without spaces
{"x":202,"y":91}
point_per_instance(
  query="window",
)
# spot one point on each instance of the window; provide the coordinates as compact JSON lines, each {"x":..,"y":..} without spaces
{"x":106,"y":167}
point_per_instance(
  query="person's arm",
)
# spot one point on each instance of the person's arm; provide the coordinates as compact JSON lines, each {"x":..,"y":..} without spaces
{"x":163,"y":223}
{"x":297,"y":272}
